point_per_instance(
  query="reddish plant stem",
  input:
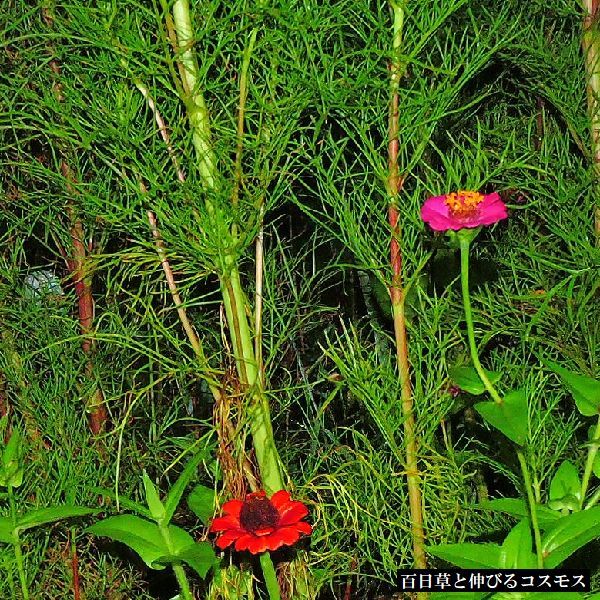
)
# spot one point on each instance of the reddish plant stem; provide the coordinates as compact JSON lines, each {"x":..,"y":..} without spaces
{"x":75,"y":572}
{"x":394,"y":186}
{"x":82,"y":282}
{"x":591,"y":52}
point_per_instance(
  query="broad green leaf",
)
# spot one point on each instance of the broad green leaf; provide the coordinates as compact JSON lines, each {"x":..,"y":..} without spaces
{"x":511,"y":417}
{"x":157,"y":510}
{"x":140,"y":509}
{"x":174,"y":496}
{"x":12,"y":452}
{"x":202,"y":503}
{"x":140,"y":535}
{"x":516,"y":549}
{"x":585,"y":390}
{"x":11,"y":470}
{"x":518,"y":508}
{"x":565,"y":488}
{"x":467,"y":379}
{"x":596,"y":465}
{"x":6,"y":531}
{"x":200,"y":556}
{"x":42,"y":516}
{"x":468,"y":556}
{"x":180,"y":539}
{"x":569,"y":534}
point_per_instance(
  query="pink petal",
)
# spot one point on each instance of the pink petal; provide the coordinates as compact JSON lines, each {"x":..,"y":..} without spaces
{"x":435,"y":212}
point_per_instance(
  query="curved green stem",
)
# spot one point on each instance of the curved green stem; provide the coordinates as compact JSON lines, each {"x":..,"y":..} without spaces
{"x":532,"y":509}
{"x":589,"y":463}
{"x":464,"y":281}
{"x":270,"y":576}
{"x":17,"y":545}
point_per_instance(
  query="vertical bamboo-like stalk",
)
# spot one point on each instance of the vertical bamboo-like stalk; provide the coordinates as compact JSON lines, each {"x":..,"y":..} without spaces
{"x":234,"y":298}
{"x":394,"y":186}
{"x":591,"y":55}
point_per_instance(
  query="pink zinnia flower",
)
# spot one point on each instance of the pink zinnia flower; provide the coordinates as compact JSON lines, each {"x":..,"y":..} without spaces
{"x":462,"y":210}
{"x":258,"y":524}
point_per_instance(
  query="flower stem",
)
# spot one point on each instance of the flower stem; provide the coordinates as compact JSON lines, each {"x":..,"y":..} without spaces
{"x":464,"y":281}
{"x":532,"y":508}
{"x":17,"y":544}
{"x":270,"y":576}
{"x":589,"y":463}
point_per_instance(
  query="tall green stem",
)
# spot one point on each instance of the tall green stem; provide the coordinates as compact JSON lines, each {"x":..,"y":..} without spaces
{"x":532,"y":509}
{"x":194,"y":100}
{"x":261,"y":428}
{"x":17,"y":545}
{"x":464,"y":281}
{"x":589,"y":463}
{"x":270,"y":576}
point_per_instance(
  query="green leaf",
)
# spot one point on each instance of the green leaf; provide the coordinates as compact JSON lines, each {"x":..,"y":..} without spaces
{"x":180,"y":539}
{"x":511,"y":417}
{"x":202,"y":503}
{"x":157,"y":510}
{"x":140,"y":535}
{"x":596,"y":465}
{"x":467,"y":379}
{"x":468,"y":556}
{"x":569,"y":534}
{"x":11,"y":471}
{"x":585,"y":390}
{"x":174,"y":496}
{"x":140,"y":509}
{"x":6,"y":531}
{"x":518,"y":508}
{"x":200,"y":556}
{"x":565,"y":488}
{"x":42,"y":516}
{"x":516,"y":549}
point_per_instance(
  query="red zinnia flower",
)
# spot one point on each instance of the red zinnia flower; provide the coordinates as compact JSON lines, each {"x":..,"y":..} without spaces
{"x":258,"y":524}
{"x":462,"y":210}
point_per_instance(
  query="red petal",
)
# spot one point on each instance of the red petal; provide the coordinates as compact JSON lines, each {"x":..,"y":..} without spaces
{"x":304,"y":527}
{"x":244,"y":541}
{"x":286,"y":536}
{"x":280,"y":498}
{"x":228,"y":537}
{"x":292,"y":513}
{"x":223,"y":523}
{"x":259,"y":545}
{"x":233,"y":508}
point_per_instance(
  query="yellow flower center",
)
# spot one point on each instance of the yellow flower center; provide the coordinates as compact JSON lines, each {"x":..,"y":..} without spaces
{"x":463,"y":204}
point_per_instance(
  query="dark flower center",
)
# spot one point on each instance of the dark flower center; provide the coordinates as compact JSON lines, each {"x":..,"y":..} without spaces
{"x":257,"y":514}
